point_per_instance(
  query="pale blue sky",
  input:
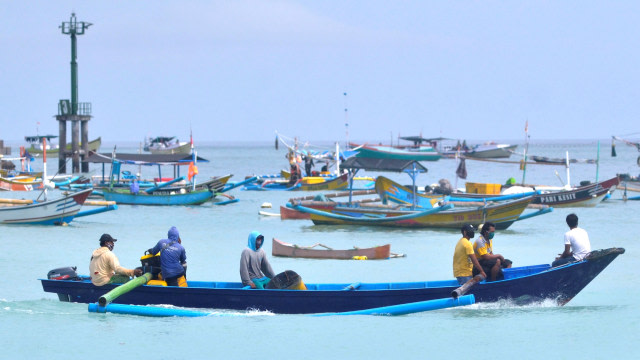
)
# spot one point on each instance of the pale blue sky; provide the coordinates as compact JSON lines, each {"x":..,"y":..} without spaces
{"x":240,"y":70}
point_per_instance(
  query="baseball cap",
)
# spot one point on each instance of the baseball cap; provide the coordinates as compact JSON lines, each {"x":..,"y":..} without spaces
{"x":106,"y":237}
{"x":468,"y":227}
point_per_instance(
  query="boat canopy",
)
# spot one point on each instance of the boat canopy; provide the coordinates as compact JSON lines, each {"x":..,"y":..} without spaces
{"x":38,"y":138}
{"x":162,"y":139}
{"x":419,"y":139}
{"x":393,"y":165}
{"x":145,"y":159}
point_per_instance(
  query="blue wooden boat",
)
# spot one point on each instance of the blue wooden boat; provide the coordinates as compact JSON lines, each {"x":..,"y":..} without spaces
{"x":388,"y":152}
{"x":521,"y":284}
{"x":158,"y":197}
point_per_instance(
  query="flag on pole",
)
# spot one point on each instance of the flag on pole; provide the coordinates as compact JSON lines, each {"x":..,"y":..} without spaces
{"x":461,"y":172}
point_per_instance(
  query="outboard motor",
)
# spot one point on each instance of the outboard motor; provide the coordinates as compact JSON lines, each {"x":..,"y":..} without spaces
{"x":64,"y":273}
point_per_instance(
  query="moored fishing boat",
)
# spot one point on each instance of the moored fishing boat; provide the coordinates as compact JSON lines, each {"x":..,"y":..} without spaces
{"x":503,"y":214}
{"x":158,"y":197}
{"x":583,"y":196}
{"x":49,"y":212}
{"x":281,"y":248}
{"x":37,"y":145}
{"x":523,"y":285}
{"x":166,"y":145}
{"x":387,"y":152}
{"x":308,"y":183}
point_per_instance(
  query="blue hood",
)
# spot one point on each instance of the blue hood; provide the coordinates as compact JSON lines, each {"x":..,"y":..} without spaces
{"x":173,"y":234}
{"x":251,"y":244}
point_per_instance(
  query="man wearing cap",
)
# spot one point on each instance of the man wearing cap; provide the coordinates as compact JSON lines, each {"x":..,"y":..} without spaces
{"x":255,"y":270}
{"x":173,"y":258}
{"x":464,"y":258}
{"x":105,"y":267}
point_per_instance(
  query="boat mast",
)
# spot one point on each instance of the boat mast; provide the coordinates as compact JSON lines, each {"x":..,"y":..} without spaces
{"x":598,"y":162}
{"x":567,"y":166}
{"x":44,"y":168}
{"x":346,"y":121}
{"x":526,"y":150}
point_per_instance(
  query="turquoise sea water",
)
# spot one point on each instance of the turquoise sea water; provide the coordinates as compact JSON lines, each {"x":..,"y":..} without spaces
{"x":603,"y":321}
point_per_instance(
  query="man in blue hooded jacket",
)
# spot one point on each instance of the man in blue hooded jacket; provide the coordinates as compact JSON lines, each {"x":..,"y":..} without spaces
{"x":173,"y":258}
{"x":255,"y":270}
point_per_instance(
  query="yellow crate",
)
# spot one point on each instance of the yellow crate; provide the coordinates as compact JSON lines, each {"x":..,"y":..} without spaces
{"x":483,"y":188}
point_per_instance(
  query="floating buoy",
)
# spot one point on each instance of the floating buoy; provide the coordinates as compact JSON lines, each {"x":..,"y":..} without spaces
{"x":266,"y":205}
{"x":363,"y":257}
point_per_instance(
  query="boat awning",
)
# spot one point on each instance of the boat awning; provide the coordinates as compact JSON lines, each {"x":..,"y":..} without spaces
{"x":393,"y":165}
{"x":420,"y":139}
{"x":38,"y":138}
{"x":145,"y":159}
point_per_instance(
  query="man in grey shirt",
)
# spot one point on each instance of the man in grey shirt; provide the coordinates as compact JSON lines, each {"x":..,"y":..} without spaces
{"x":255,"y":270}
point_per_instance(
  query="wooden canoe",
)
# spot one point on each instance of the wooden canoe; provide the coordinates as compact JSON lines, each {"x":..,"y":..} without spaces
{"x":281,"y":248}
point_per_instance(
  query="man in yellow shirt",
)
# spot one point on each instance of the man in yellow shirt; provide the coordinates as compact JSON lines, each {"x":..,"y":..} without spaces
{"x":464,"y":258}
{"x":483,"y":247}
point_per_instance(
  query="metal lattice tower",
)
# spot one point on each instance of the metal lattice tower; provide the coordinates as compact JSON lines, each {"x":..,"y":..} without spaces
{"x":77,"y":113}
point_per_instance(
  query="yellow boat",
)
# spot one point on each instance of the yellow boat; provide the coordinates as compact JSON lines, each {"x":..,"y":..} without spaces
{"x":503,"y":214}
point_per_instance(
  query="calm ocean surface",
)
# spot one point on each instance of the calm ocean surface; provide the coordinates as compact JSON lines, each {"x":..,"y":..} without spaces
{"x":602,"y":322}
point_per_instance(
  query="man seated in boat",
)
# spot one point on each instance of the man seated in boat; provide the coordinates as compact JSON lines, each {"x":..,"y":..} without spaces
{"x":491,"y":263}
{"x":464,"y":259}
{"x":255,"y":270}
{"x":173,"y":258}
{"x":295,"y":174}
{"x":576,"y":243}
{"x":105,"y":267}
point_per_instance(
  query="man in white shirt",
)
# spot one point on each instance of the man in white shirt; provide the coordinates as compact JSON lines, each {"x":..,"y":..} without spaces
{"x":576,"y":243}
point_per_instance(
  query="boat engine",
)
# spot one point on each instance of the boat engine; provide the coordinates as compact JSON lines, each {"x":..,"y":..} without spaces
{"x":64,"y":273}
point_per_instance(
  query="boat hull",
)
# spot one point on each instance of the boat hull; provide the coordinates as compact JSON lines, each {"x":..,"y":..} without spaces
{"x":158,"y":197}
{"x":280,"y":248}
{"x":291,"y":214}
{"x":584,"y":196}
{"x":53,"y":212}
{"x":383,"y":152}
{"x":502,"y":214}
{"x":493,"y":153}
{"x":184,"y":148}
{"x":522,"y":285}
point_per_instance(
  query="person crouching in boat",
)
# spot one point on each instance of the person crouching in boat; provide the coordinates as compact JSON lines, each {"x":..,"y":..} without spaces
{"x":464,"y":258}
{"x":255,"y":270}
{"x":105,"y":267}
{"x":173,"y":258}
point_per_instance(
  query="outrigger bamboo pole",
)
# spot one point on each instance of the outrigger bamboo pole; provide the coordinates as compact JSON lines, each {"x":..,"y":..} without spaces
{"x":105,"y":299}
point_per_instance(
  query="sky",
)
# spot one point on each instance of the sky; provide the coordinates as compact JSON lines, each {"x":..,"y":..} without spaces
{"x":238,"y":71}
